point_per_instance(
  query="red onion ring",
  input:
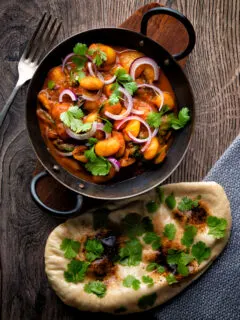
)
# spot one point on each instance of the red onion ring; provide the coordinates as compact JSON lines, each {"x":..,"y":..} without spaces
{"x":100,"y":127}
{"x":95,"y":73}
{"x":156,"y":89}
{"x":90,"y":69}
{"x":82,"y":136}
{"x":115,"y":163}
{"x":147,"y":140}
{"x":92,"y":97}
{"x":155,"y":131}
{"x":66,"y":59}
{"x":111,"y":80}
{"x":139,"y":112}
{"x":69,"y":93}
{"x":64,"y":154}
{"x":129,"y":107}
{"x":144,"y":60}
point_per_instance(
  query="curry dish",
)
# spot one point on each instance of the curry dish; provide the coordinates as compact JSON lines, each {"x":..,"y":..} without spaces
{"x":108,"y":113}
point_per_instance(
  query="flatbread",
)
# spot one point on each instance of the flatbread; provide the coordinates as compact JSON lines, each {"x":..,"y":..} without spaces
{"x":119,"y":298}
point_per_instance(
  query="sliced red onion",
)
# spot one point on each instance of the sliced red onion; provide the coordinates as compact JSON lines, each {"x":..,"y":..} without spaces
{"x":111,"y":80}
{"x":82,"y":136}
{"x":129,"y":106}
{"x":155,"y":131}
{"x":92,"y":97}
{"x":69,"y":93}
{"x":147,"y":140}
{"x":135,"y":111}
{"x":94,"y":73}
{"x":115,"y":163}
{"x":64,"y":154}
{"x":100,"y":127}
{"x":70,"y":55}
{"x":90,"y":69}
{"x":144,"y":60}
{"x":156,"y":89}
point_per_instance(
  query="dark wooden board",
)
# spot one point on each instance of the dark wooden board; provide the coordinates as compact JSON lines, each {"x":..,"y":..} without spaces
{"x":162,"y":29}
{"x":213,"y":70}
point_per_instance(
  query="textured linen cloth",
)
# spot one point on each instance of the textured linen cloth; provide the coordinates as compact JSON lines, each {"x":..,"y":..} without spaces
{"x":216,"y":294}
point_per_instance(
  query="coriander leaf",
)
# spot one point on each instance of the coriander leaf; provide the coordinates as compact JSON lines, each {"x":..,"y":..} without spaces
{"x":170,"y":201}
{"x":148,"y":280}
{"x":151,"y":266}
{"x":114,"y":97}
{"x":131,"y":87}
{"x":115,"y":86}
{"x":184,"y":260}
{"x":76,"y":112}
{"x":51,"y":84}
{"x":70,"y":248}
{"x":78,"y":126}
{"x":152,"y":206}
{"x":182,"y":119}
{"x":188,"y":236}
{"x":160,"y":193}
{"x":131,"y":282}
{"x":79,"y":75}
{"x":171,"y":279}
{"x":80,"y":49}
{"x":100,"y":166}
{"x":131,"y":254}
{"x":94,"y":249}
{"x":170,"y":231}
{"x":90,"y":154}
{"x":76,"y":271}
{"x":187,"y":204}
{"x":154,"y":119}
{"x":217,"y":227}
{"x":160,"y":269}
{"x":92,"y":141}
{"x":123,"y":78}
{"x":107,"y":126}
{"x":100,"y":58}
{"x":96,"y":287}
{"x":147,"y":301}
{"x":200,"y":251}
{"x":79,"y":61}
{"x":134,"y":225}
{"x":71,"y":118}
{"x":122,"y":75}
{"x":152,"y":238}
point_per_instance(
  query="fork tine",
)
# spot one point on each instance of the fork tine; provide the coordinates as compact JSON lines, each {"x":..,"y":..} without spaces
{"x":45,"y":42}
{"x":28,"y":47}
{"x":38,"y":40}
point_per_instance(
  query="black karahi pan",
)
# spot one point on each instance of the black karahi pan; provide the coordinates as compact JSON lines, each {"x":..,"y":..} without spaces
{"x":133,"y":40}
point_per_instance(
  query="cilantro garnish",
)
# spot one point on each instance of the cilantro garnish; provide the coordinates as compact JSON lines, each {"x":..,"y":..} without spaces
{"x":171,"y":279}
{"x":217,"y":227}
{"x":51,"y":84}
{"x":98,"y":56}
{"x":152,"y":206}
{"x":131,"y":282}
{"x":160,"y":269}
{"x":200,"y":251}
{"x":80,"y":49}
{"x":76,"y":271}
{"x":96,"y":287}
{"x":154,"y":119}
{"x":148,"y":280}
{"x":170,"y":201}
{"x":70,"y":248}
{"x":187,"y":204}
{"x":188,"y":236}
{"x":92,"y":141}
{"x":131,"y":254}
{"x":71,"y":119}
{"x":94,"y":249}
{"x":98,"y":166}
{"x":170,"y":231}
{"x":147,"y":301}
{"x":134,"y":225}
{"x":107,"y":126}
{"x":182,"y":119}
{"x":152,"y":238}
{"x":181,"y":259}
{"x":114,"y":98}
{"x":160,"y":194}
{"x":155,"y":266}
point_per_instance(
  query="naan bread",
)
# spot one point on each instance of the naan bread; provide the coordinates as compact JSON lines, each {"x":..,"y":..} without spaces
{"x":119,"y":298}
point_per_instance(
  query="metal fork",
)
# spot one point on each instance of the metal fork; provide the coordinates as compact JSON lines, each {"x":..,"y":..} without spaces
{"x":43,"y":37}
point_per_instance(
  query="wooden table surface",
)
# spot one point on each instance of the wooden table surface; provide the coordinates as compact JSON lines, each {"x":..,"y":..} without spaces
{"x":213,"y":70}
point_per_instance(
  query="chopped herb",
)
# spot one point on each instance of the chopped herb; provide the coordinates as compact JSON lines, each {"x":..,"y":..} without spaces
{"x":151,"y":266}
{"x":152,"y":238}
{"x":187,"y":204}
{"x":98,"y":56}
{"x":80,"y":49}
{"x":134,"y":225}
{"x":147,"y":301}
{"x":188,"y":236}
{"x":126,"y":80}
{"x":114,"y":98}
{"x":182,"y":119}
{"x":76,"y":271}
{"x":160,"y":269}
{"x":154,"y":119}
{"x":70,"y":248}
{"x":148,"y":280}
{"x":92,"y":141}
{"x":171,"y":279}
{"x":94,"y":249}
{"x":120,"y":309}
{"x":131,"y":254}
{"x":181,"y":259}
{"x":170,"y":231}
{"x":200,"y":251}
{"x":51,"y":84}
{"x":170,"y":201}
{"x":98,"y":166}
{"x":79,"y":61}
{"x":79,"y":75}
{"x":108,"y":125}
{"x":217,"y":227}
{"x":96,"y":287}
{"x":131,"y":282}
{"x":71,"y":118}
{"x":160,"y":194}
{"x":152,"y":206}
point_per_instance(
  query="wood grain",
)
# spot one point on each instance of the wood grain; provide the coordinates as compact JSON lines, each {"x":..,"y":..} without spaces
{"x":213,"y":70}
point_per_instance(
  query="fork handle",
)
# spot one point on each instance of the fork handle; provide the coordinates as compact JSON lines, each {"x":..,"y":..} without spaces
{"x":9,"y":102}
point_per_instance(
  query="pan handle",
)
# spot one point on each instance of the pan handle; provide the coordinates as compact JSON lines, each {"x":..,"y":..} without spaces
{"x":76,"y":209}
{"x":180,"y":17}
